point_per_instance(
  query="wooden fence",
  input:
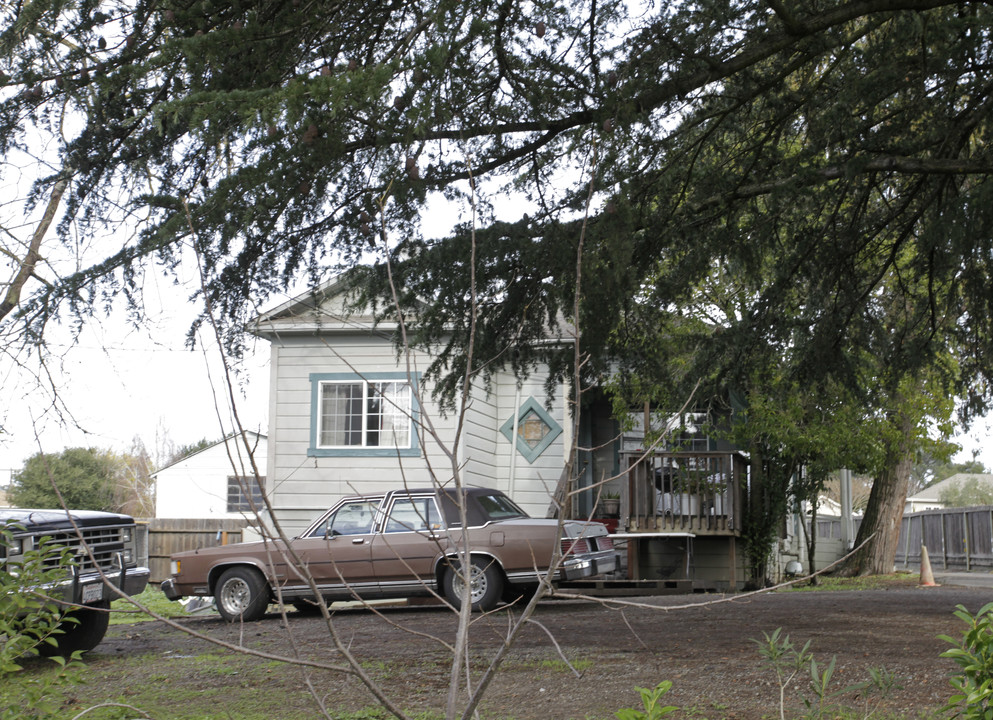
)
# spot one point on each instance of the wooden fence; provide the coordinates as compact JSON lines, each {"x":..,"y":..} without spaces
{"x":956,"y":538}
{"x":166,"y":536}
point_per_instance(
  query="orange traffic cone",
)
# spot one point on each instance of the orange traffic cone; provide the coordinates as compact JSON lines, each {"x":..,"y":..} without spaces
{"x":927,"y":577}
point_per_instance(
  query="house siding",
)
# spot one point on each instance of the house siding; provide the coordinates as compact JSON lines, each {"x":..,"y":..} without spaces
{"x":530,"y":483}
{"x":304,"y":483}
{"x":480,"y":440}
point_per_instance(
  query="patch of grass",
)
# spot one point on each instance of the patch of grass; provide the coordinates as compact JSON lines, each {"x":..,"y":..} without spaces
{"x":125,"y":613}
{"x":563,"y":666}
{"x":865,"y":582}
{"x":205,"y":685}
{"x":208,"y":684}
{"x":553,"y":664}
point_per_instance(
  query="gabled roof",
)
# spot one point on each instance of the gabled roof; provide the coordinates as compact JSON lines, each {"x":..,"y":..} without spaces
{"x":256,"y":439}
{"x":332,"y":308}
{"x":326,"y":308}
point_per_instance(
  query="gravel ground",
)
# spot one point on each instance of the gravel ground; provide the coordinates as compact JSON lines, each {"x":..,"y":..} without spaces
{"x":704,"y":644}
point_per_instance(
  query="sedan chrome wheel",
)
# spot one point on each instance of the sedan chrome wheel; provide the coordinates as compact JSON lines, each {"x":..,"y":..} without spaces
{"x":485,"y":584}
{"x":235,"y":596}
{"x":241,"y":594}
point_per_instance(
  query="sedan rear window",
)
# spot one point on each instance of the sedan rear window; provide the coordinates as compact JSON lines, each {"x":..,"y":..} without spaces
{"x":500,"y":507}
{"x":414,"y":514}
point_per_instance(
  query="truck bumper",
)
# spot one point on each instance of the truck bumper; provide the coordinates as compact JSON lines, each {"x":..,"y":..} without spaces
{"x":91,"y":589}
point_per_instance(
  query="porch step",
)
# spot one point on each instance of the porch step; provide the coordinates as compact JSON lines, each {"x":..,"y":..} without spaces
{"x":619,"y":588}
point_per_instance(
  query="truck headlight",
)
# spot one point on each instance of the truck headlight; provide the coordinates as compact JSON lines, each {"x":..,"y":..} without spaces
{"x":126,"y":535}
{"x":174,"y":567}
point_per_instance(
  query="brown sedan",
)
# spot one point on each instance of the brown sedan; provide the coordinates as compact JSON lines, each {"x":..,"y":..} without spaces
{"x":399,"y":544}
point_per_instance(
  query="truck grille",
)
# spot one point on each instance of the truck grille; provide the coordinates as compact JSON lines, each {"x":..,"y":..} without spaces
{"x":103,"y":543}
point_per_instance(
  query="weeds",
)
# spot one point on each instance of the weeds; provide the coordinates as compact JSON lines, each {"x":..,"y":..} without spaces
{"x":651,"y":700}
{"x":29,"y":624}
{"x":791,"y":664}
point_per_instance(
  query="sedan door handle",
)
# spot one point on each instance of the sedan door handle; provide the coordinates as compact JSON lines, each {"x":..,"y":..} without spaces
{"x":358,"y":541}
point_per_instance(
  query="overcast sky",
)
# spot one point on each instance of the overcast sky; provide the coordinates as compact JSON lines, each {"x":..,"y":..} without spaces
{"x":123,"y":385}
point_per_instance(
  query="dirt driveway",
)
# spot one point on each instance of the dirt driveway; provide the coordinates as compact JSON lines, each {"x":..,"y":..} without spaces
{"x":706,"y":651}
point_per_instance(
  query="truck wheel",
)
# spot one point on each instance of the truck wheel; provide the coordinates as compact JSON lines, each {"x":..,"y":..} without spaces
{"x":485,"y":584}
{"x":82,"y":629}
{"x":241,"y":594}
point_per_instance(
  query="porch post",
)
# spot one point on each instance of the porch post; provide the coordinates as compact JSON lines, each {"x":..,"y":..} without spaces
{"x":847,"y":525}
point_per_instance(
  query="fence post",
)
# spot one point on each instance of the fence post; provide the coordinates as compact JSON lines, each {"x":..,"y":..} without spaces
{"x":906,"y":527}
{"x":965,"y":540}
{"x":944,"y":542}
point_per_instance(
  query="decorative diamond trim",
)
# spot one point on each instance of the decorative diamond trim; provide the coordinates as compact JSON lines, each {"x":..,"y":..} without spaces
{"x":536,"y":430}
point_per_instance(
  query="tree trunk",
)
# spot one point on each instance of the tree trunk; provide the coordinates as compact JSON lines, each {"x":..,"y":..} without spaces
{"x":884,"y":512}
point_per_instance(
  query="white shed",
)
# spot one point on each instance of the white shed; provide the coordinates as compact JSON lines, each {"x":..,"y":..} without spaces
{"x":216,"y":482}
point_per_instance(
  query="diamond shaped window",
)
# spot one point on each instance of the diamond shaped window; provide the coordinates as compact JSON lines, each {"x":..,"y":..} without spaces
{"x":536,"y":430}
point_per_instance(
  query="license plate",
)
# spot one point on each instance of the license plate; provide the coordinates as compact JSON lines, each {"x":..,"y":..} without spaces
{"x":92,"y":593}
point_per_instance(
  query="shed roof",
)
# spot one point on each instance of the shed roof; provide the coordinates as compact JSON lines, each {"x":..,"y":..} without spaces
{"x":933,"y":493}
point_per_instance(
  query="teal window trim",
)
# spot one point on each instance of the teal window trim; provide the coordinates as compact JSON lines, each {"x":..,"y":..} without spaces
{"x":554,"y":430}
{"x":313,"y":450}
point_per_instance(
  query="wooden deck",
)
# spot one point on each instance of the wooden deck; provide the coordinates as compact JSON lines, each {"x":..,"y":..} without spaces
{"x":699,"y":493}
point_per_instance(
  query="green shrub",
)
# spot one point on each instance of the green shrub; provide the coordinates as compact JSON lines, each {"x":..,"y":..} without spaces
{"x":27,"y":621}
{"x":973,"y":698}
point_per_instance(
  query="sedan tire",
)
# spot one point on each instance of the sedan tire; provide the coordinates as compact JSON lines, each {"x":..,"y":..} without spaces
{"x":241,"y":594}
{"x":485,"y":584}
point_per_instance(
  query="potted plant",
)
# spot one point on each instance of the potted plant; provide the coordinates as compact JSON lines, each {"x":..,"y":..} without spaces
{"x":610,"y":504}
{"x":685,"y":489}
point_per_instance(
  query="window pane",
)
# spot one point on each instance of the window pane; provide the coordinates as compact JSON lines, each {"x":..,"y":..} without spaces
{"x":354,"y":518}
{"x":242,"y":488}
{"x":341,"y":414}
{"x":498,"y":507}
{"x":388,"y":421}
{"x":356,"y":414}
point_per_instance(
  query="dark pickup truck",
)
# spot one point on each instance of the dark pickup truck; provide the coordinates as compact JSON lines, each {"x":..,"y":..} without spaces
{"x":103,"y":551}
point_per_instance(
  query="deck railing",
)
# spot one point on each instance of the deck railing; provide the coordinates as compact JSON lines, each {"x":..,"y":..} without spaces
{"x":698,"y":492}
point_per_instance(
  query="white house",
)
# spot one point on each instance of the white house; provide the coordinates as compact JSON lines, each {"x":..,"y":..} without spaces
{"x":348,"y":415}
{"x":930,"y":498}
{"x":216,"y":482}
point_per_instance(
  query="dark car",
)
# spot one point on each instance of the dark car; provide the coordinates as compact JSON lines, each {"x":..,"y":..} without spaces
{"x":399,"y":544}
{"x":99,"y":550}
